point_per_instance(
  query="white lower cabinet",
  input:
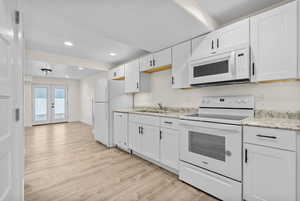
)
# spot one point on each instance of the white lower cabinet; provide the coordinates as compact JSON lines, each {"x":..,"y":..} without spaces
{"x":121,"y":130}
{"x":270,"y":173}
{"x":169,"y":148}
{"x":134,"y":136}
{"x":156,"y":138}
{"x":150,"y":141}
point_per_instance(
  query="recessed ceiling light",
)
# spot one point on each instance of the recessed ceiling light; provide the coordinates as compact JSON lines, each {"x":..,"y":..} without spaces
{"x":67,"y":76}
{"x":80,"y":68}
{"x":112,"y":54}
{"x":68,"y":43}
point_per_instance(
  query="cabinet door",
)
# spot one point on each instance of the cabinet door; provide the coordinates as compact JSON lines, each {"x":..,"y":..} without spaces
{"x":203,"y":46}
{"x":180,"y":68}
{"x":117,"y":73}
{"x":120,"y":72}
{"x":233,"y":35}
{"x":150,"y":142}
{"x":269,"y":174}
{"x":146,"y":63}
{"x":134,"y":137}
{"x":162,"y":58}
{"x":169,"y":153}
{"x":274,"y":46}
{"x":132,"y":76}
{"x":120,"y":129}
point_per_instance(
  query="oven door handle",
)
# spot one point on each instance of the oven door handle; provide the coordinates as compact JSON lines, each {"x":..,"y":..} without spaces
{"x":208,"y":127}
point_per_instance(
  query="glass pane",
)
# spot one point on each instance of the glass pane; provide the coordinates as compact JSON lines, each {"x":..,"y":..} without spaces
{"x":59,"y":103}
{"x":212,"y":146}
{"x":211,"y":69}
{"x":40,"y":101}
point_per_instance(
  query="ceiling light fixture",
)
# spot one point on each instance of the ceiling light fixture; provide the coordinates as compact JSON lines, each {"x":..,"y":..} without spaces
{"x":112,"y":54}
{"x":46,"y":70}
{"x":80,"y":68}
{"x":67,"y":76}
{"x":68,"y":43}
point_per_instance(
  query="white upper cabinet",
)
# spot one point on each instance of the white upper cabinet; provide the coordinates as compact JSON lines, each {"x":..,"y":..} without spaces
{"x":146,"y":63}
{"x":202,"y":46}
{"x":180,"y":70}
{"x":162,"y":58}
{"x":222,"y":39}
{"x":274,"y":44}
{"x":159,"y":60}
{"x":132,"y":77}
{"x":117,"y":73}
{"x":232,"y":35}
{"x":134,"y":80}
{"x":269,"y":174}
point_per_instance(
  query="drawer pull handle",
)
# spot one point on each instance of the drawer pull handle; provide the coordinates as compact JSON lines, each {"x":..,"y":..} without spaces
{"x":168,"y":122}
{"x":266,"y":136}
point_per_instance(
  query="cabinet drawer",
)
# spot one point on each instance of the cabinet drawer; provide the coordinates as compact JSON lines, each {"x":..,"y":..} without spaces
{"x":144,"y":119}
{"x":169,"y":122}
{"x":278,"y":138}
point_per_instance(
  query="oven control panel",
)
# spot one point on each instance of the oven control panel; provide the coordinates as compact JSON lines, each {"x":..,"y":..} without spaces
{"x":242,"y":102}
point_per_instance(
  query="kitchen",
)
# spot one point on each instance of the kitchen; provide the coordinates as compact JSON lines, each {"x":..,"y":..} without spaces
{"x":209,"y":113}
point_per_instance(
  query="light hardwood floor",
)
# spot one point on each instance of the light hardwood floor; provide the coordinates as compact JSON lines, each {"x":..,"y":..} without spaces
{"x":64,"y":163}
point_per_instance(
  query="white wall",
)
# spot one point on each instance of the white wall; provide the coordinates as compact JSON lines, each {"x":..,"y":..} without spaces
{"x":87,"y":93}
{"x":281,"y":96}
{"x":73,"y":97}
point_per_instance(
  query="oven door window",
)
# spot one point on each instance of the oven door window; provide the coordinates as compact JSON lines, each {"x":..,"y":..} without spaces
{"x":211,"y":146}
{"x":220,"y":67}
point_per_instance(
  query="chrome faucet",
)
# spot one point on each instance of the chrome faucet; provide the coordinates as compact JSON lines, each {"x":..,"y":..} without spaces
{"x":160,"y":106}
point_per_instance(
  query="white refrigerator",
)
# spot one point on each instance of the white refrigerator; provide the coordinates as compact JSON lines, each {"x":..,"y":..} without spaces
{"x":109,"y":96}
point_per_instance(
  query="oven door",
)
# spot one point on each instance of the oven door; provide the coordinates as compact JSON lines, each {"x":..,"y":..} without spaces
{"x":215,"y":147}
{"x":218,"y":68}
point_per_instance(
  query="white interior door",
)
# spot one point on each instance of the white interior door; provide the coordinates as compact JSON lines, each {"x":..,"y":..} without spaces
{"x":11,"y":136}
{"x":50,"y":104}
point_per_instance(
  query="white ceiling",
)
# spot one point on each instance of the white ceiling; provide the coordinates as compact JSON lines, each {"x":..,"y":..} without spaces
{"x":126,"y":27}
{"x":33,"y":68}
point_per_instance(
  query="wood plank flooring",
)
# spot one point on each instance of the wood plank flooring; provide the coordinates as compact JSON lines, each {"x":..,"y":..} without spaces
{"x":64,"y":163}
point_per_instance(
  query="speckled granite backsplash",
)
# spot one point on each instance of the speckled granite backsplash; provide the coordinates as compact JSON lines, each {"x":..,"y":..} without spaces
{"x":265,"y":114}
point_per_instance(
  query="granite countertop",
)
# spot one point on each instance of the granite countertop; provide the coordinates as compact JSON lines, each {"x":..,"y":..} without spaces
{"x":263,"y":118}
{"x":168,"y":112}
{"x":272,"y":119}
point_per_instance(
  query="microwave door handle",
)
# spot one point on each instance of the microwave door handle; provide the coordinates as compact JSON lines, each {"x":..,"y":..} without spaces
{"x":232,"y":63}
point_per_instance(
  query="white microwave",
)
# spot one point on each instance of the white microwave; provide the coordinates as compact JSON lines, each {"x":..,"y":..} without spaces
{"x":226,"y":67}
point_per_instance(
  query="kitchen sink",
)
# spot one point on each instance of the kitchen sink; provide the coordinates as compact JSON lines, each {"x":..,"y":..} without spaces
{"x":152,"y":111}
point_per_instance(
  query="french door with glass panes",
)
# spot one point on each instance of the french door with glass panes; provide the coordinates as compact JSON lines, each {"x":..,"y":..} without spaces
{"x":50,"y":104}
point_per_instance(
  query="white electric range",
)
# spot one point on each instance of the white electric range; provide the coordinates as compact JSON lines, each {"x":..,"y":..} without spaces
{"x":211,"y":145}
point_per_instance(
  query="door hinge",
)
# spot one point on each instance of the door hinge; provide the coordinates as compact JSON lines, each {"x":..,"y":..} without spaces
{"x":172,"y":80}
{"x":17,"y":114}
{"x":160,"y":135}
{"x":17,"y":17}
